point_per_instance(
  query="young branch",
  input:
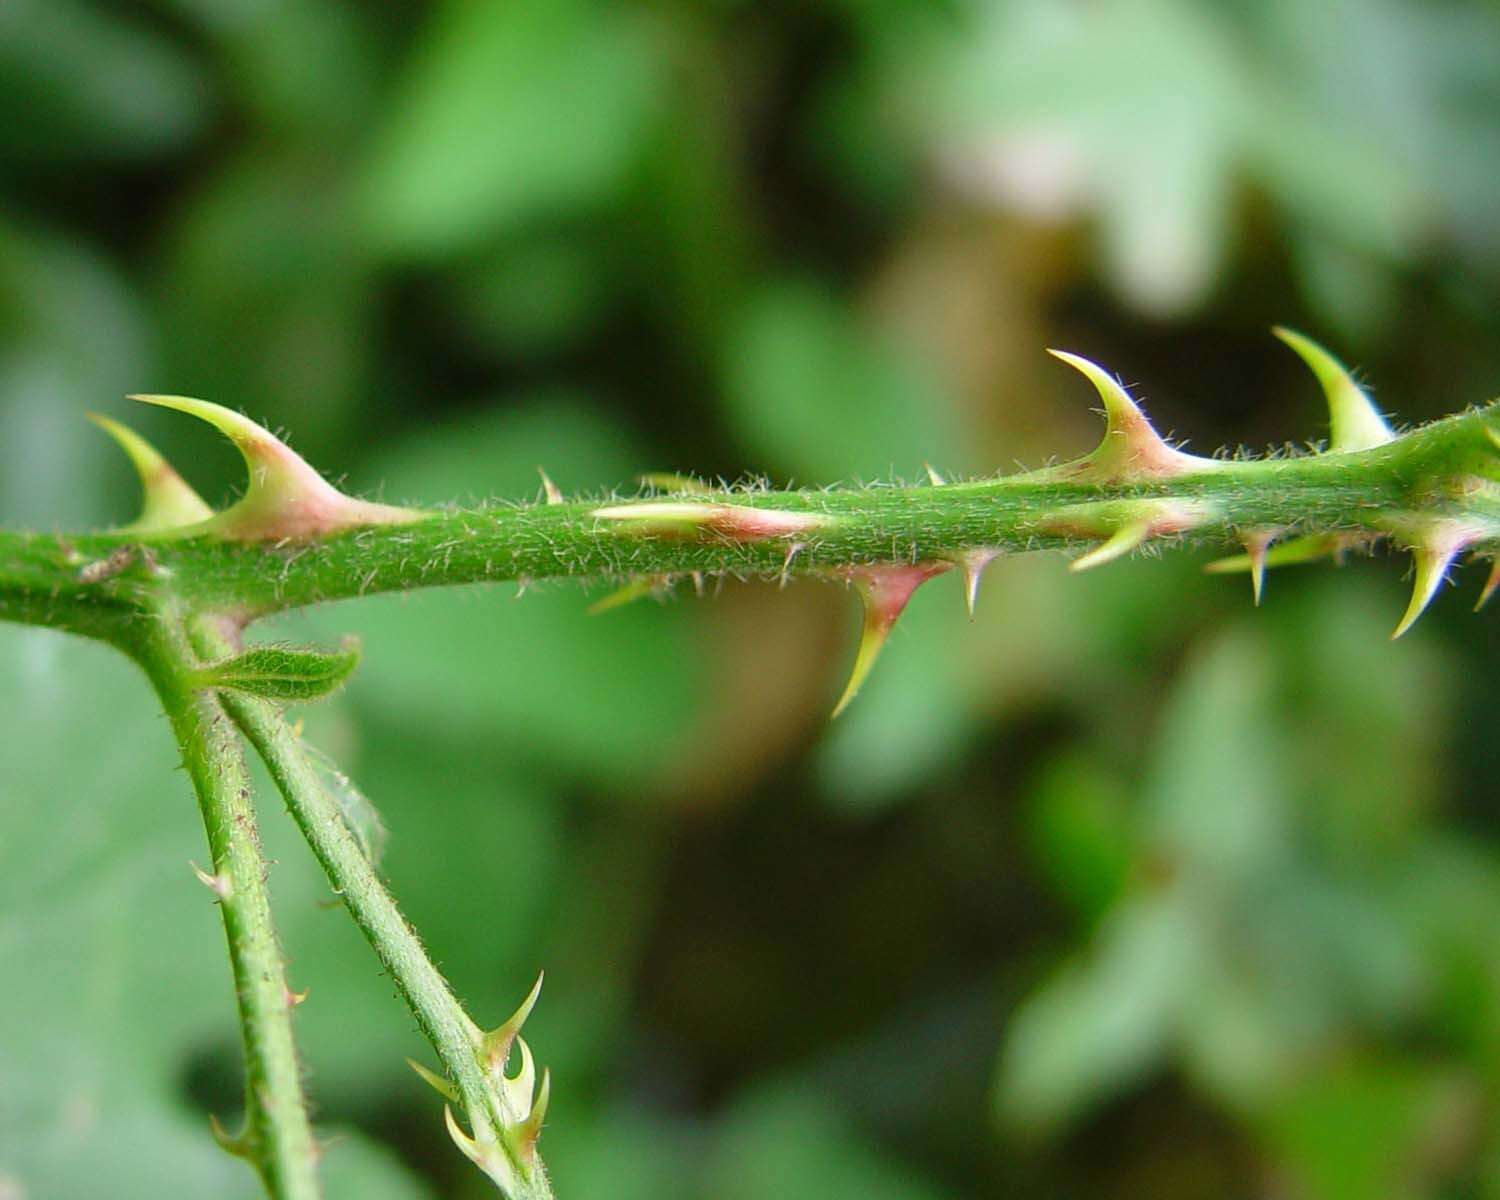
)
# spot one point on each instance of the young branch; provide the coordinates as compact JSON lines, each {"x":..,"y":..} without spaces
{"x":1441,"y":472}
{"x":278,"y":1138}
{"x":504,"y":1133}
{"x":293,"y":540}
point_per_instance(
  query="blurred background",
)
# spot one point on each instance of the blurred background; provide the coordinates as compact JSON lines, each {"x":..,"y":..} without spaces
{"x":1125,"y":889}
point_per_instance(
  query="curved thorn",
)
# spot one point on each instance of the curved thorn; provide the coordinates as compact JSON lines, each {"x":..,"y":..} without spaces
{"x":471,"y":1148}
{"x":530,"y":1129}
{"x":885,"y":592}
{"x":240,"y":1146}
{"x":217,"y":884}
{"x":1121,"y":542}
{"x":670,"y":481}
{"x":871,"y":642}
{"x":1285,"y":554}
{"x":1432,"y":565}
{"x":1123,"y":416}
{"x":1131,"y":448}
{"x":1231,"y":564}
{"x":497,"y":1042}
{"x":285,"y":498}
{"x":167,"y":499}
{"x":517,"y":1088}
{"x":438,"y":1084}
{"x":1354,"y":421}
{"x":1490,"y":585}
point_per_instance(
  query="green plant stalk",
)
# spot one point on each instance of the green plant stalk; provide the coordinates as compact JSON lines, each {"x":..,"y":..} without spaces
{"x":443,"y":1021}
{"x":177,"y":586}
{"x":1444,"y":470}
{"x":278,"y":1136}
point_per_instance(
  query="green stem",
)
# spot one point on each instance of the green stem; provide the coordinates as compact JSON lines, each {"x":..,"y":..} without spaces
{"x":1423,"y":474}
{"x":454,"y":1036}
{"x":178,"y":595}
{"x":278,"y":1137}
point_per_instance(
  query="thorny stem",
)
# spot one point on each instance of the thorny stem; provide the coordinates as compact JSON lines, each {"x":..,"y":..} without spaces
{"x":278,"y":1136}
{"x":453,"y":1035}
{"x":43,"y":577}
{"x":180,"y":583}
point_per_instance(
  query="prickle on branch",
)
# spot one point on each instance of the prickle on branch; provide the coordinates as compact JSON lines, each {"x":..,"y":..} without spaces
{"x":285,"y":498}
{"x":1434,"y":491}
{"x":507,"y":1120}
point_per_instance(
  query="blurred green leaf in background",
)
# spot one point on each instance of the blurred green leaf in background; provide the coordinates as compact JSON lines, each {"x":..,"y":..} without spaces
{"x":1123,"y":889}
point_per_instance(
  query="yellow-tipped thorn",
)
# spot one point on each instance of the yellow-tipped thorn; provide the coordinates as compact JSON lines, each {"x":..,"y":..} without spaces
{"x":285,"y":498}
{"x":1354,"y":421}
{"x":240,"y":1146}
{"x":620,"y":597}
{"x":871,"y":642}
{"x":549,"y":489}
{"x":497,"y":1042}
{"x":1131,"y":448}
{"x":1286,"y":554}
{"x":531,"y":1129}
{"x":885,"y":592}
{"x":1490,"y":585}
{"x":1256,"y":545}
{"x":670,"y":481}
{"x":1121,"y":542}
{"x":933,"y":477}
{"x":1120,"y":410}
{"x":438,"y":1084}
{"x":471,"y":1148}
{"x":1431,"y":569}
{"x":168,"y":500}
{"x":516,"y":1089}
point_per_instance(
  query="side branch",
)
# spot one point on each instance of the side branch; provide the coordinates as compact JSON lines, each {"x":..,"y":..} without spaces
{"x":501,"y":1125}
{"x":278,"y":1138}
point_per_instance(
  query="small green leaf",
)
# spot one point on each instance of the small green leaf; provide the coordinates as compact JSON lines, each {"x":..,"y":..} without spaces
{"x":283,"y":672}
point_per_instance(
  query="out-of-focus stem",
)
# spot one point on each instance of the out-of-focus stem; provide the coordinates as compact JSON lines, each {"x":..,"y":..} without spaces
{"x":454,"y":1037}
{"x":278,"y":1136}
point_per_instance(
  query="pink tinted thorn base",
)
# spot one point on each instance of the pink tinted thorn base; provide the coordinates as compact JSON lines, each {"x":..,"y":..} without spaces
{"x":1131,"y":449}
{"x":885,"y":592}
{"x":286,"y":498}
